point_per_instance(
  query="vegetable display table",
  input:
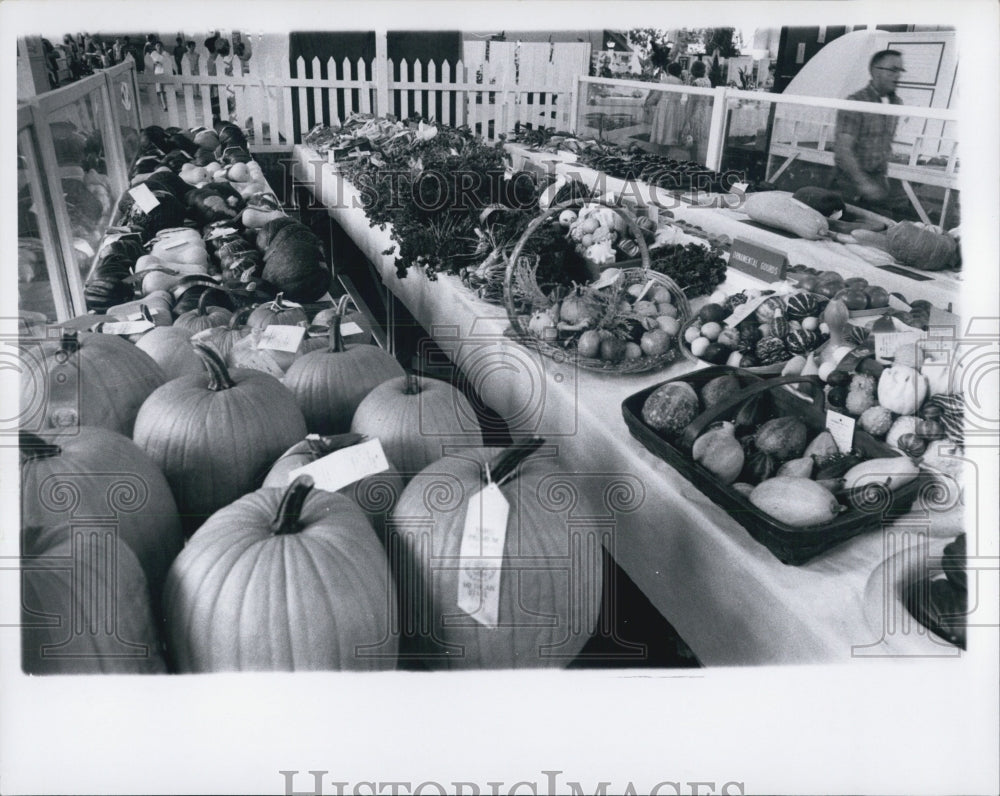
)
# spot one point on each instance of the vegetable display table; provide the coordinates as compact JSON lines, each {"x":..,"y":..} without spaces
{"x":728,"y":597}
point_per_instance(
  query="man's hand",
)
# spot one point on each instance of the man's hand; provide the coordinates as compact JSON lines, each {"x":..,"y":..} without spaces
{"x":872,"y":190}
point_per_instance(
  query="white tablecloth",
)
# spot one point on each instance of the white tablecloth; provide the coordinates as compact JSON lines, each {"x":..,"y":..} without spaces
{"x":727,"y":595}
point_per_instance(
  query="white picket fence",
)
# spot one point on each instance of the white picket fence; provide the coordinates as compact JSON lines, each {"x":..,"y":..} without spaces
{"x":278,"y":105}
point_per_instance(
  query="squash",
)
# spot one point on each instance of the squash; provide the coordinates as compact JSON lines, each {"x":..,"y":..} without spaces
{"x":85,"y":379}
{"x":329,"y":384}
{"x":157,"y":274}
{"x":902,"y":389}
{"x":203,"y":316}
{"x":179,"y":249}
{"x":282,"y":580}
{"x":170,"y":347}
{"x":416,"y":419}
{"x":551,"y":578}
{"x":294,"y":261}
{"x":279,"y":312}
{"x":922,"y":247}
{"x":100,"y":473}
{"x":779,"y":210}
{"x":375,"y":495}
{"x":93,"y":617}
{"x":214,"y":433}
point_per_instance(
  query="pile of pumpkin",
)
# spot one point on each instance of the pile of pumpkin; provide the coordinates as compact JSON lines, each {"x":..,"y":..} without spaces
{"x":219,"y":563}
{"x":188,"y":225}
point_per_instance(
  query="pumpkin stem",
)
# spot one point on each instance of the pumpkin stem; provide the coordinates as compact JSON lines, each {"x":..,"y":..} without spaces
{"x":412,"y":384}
{"x":146,"y":314}
{"x":322,"y":446}
{"x":70,"y":342}
{"x":504,"y":466}
{"x":277,"y":305}
{"x":218,"y":374}
{"x":203,"y":303}
{"x":34,"y":447}
{"x":239,"y":318}
{"x":336,"y":336}
{"x":287,"y":519}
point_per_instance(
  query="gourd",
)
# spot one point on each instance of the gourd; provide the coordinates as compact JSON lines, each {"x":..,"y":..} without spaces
{"x":416,"y":419}
{"x":783,"y":437}
{"x":157,"y":274}
{"x":902,"y":389}
{"x":375,"y":495}
{"x":329,"y":384}
{"x":282,"y":580}
{"x":93,"y":617}
{"x":170,"y":348}
{"x":551,"y":567}
{"x":85,"y":379}
{"x":719,"y":452}
{"x":921,"y":247}
{"x":64,"y":477}
{"x":203,"y":316}
{"x":778,"y":209}
{"x":213,"y":433}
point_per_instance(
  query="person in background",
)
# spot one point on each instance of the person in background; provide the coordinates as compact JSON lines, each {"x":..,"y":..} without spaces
{"x":178,"y":54}
{"x":130,"y":51}
{"x":117,"y":50}
{"x":667,"y":109}
{"x":212,"y":69}
{"x":694,"y":134}
{"x":243,"y":51}
{"x":863,"y":143}
{"x":159,"y":60}
{"x":191,"y":64}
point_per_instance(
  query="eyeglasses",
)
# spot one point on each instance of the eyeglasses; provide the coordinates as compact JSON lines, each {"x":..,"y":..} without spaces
{"x":896,"y":70}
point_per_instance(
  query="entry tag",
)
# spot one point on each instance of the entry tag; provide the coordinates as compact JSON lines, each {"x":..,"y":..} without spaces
{"x":126,"y":327}
{"x":841,"y":427}
{"x":345,"y":466}
{"x":482,"y":555}
{"x":144,"y":198}
{"x":886,"y":343}
{"x":350,"y":329}
{"x":281,"y":338}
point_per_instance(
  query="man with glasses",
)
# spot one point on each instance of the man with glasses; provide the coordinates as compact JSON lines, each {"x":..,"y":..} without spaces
{"x":864,"y":140}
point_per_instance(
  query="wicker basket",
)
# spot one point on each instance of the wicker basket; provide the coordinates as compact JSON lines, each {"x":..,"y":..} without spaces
{"x":519,"y":279}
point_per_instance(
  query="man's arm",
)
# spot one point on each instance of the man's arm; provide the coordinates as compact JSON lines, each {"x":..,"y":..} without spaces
{"x":844,"y":157}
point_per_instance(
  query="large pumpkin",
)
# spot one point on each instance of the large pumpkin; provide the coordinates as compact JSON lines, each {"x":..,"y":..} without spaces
{"x":214,"y":433}
{"x":551,"y":578}
{"x":223,"y":338}
{"x":203,"y":316}
{"x":170,"y":347}
{"x":85,"y":607}
{"x":416,"y":419}
{"x":99,"y":473}
{"x":329,"y":384}
{"x":282,"y":580}
{"x":85,"y":379}
{"x":278,"y":312}
{"x":376,"y":495}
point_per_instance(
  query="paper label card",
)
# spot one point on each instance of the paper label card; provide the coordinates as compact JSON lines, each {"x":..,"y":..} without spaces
{"x":481,"y":552}
{"x":841,"y":427}
{"x":144,"y":198}
{"x":743,"y":311}
{"x":886,"y":343}
{"x":349,"y":329}
{"x":127,"y":327}
{"x":281,"y":338}
{"x":345,"y":466}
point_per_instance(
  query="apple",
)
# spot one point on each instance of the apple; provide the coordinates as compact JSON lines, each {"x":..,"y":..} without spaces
{"x":807,"y":282}
{"x":856,"y":282}
{"x":612,"y":349}
{"x":645,"y":308}
{"x":877,"y":296}
{"x":660,"y":294}
{"x":668,"y":324}
{"x":655,"y":342}
{"x":667,"y":309}
{"x":589,"y":343}
{"x":855,"y":300}
{"x":632,"y":351}
{"x":712,"y":312}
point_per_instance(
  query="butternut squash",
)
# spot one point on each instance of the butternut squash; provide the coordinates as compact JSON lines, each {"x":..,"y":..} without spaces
{"x":779,"y":210}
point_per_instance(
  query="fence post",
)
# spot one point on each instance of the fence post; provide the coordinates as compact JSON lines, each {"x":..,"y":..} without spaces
{"x":717,"y":129}
{"x":574,"y":104}
{"x":381,"y":76}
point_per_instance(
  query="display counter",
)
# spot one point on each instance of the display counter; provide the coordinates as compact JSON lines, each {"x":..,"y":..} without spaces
{"x":728,"y":596}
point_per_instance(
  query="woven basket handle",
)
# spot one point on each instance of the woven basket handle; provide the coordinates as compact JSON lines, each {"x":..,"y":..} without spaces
{"x":530,"y":230}
{"x":709,"y":416}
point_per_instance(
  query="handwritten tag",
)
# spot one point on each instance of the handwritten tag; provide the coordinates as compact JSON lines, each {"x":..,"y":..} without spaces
{"x":144,"y":198}
{"x":482,"y":555}
{"x":886,"y":343}
{"x":350,"y":329}
{"x":841,"y":427}
{"x":281,"y":338}
{"x":127,"y":327}
{"x":345,"y":466}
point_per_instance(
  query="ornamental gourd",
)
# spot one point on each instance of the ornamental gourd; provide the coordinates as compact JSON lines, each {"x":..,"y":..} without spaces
{"x":329,"y":384}
{"x":214,"y":433}
{"x":550,"y":579}
{"x":902,"y":390}
{"x":376,"y":495}
{"x":98,"y":473}
{"x":416,"y":419}
{"x":85,"y":379}
{"x":94,"y":617}
{"x":282,"y":580}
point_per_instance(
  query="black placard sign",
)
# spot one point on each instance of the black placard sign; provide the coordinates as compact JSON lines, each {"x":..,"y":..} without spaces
{"x":766,"y":264}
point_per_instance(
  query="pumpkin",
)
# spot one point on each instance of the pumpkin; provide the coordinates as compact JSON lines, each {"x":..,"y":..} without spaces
{"x":91,"y":617}
{"x":156,"y":315}
{"x":902,"y":389}
{"x":551,"y":578}
{"x":282,"y":580}
{"x":170,"y":347}
{"x":376,"y":495}
{"x":279,"y":312}
{"x":223,"y":338}
{"x":213,"y":433}
{"x":416,"y":419}
{"x":294,"y":261}
{"x":922,"y":247}
{"x":100,"y":473}
{"x":85,"y":379}
{"x":203,"y":316}
{"x":329,"y":384}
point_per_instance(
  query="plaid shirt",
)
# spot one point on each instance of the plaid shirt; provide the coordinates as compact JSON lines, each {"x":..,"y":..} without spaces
{"x":872,"y":133}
